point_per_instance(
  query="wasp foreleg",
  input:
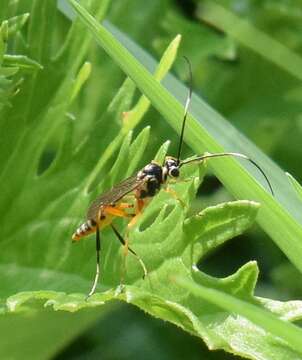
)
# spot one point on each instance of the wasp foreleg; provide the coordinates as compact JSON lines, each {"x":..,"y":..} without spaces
{"x":174,"y":194}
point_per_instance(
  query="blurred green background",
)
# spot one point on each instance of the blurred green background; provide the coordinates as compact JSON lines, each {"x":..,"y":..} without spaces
{"x":259,"y":98}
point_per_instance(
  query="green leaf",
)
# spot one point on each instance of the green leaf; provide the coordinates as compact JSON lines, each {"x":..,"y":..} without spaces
{"x":219,"y":223}
{"x":296,"y":185}
{"x":3,"y":38}
{"x":84,"y":74}
{"x":290,"y":333}
{"x":42,"y":159}
{"x":21,"y":61}
{"x":135,"y":115}
{"x":280,"y":217}
{"x":31,"y":128}
{"x":12,"y":64}
{"x":32,"y":340}
{"x":162,"y":239}
{"x":16,"y":23}
{"x":8,"y":71}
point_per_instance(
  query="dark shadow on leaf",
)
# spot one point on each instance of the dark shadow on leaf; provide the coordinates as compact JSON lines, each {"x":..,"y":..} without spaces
{"x":46,"y":159}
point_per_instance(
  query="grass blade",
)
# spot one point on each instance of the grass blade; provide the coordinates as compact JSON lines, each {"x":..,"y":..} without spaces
{"x":249,"y":36}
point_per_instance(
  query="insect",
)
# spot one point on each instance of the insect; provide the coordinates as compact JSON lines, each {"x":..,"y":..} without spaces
{"x":144,"y":185}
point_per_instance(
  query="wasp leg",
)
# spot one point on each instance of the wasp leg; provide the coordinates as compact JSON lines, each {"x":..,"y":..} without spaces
{"x":125,"y":206}
{"x":116,"y":211}
{"x":174,"y":194}
{"x":97,"y":273}
{"x":129,"y":197}
{"x":125,"y":244}
{"x":139,"y":207}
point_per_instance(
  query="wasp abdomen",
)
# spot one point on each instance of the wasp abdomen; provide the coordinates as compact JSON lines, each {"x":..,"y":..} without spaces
{"x":85,"y":229}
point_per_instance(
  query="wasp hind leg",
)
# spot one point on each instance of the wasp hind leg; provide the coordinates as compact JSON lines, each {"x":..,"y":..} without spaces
{"x":126,"y":247}
{"x":97,"y":273}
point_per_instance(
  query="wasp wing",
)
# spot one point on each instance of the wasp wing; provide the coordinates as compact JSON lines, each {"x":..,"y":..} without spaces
{"x":114,"y":195}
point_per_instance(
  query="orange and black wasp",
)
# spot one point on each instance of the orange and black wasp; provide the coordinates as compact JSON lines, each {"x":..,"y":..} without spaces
{"x":144,"y":185}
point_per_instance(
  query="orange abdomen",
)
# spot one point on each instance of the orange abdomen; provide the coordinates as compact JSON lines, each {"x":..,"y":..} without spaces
{"x":89,"y":227}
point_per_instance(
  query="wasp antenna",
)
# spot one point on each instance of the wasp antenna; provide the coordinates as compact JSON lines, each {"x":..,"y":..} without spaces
{"x":207,"y":156}
{"x":188,"y":100}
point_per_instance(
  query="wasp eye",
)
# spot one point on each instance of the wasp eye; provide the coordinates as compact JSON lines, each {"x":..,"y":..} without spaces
{"x":174,"y":171}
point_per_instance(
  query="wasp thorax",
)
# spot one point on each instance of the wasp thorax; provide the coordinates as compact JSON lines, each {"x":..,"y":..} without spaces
{"x":152,"y":174}
{"x":151,"y":170}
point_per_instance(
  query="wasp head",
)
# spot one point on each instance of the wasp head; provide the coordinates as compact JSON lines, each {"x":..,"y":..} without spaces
{"x":171,"y":167}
